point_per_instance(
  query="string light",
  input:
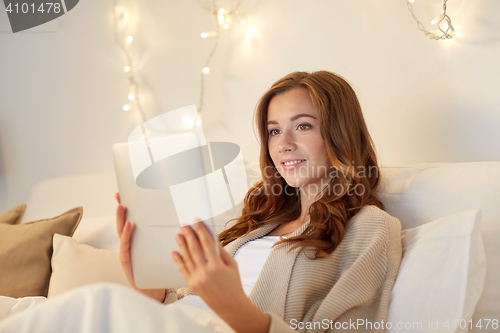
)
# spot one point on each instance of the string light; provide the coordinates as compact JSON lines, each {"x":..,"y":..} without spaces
{"x":223,"y":18}
{"x":437,"y":19}
{"x":439,"y":33}
{"x":189,"y":122}
{"x":208,"y":34}
{"x":121,"y":17}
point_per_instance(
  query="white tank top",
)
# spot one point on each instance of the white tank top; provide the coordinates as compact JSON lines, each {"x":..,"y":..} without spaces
{"x":250,"y":257}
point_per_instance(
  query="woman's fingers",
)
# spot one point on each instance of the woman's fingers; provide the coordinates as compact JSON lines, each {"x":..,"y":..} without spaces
{"x":194,"y":246}
{"x":180,"y":263}
{"x":121,"y":215}
{"x":226,"y":257}
{"x":185,"y":253}
{"x":117,"y":196}
{"x":207,"y":240}
{"x":125,"y":260}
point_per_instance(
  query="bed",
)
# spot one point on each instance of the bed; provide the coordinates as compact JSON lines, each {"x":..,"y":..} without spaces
{"x":450,"y":215}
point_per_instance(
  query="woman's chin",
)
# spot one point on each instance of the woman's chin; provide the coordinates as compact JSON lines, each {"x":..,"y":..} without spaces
{"x":294,"y":182}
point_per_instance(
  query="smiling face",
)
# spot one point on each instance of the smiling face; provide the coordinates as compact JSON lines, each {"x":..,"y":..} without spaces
{"x":294,"y":135}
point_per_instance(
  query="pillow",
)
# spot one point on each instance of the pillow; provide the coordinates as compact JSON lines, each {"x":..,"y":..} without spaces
{"x":25,"y":251}
{"x":13,"y":216}
{"x":441,"y":276}
{"x":75,"y":265}
{"x":98,"y":232}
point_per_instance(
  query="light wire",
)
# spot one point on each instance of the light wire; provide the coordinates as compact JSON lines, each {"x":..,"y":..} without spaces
{"x":446,"y":34}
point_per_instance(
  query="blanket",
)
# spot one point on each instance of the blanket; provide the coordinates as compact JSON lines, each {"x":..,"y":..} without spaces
{"x":111,"y":308}
{"x":10,"y":306}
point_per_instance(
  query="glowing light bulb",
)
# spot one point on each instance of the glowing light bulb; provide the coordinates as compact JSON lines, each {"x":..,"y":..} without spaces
{"x":221,"y":18}
{"x":436,"y":32}
{"x":198,"y":122}
{"x":189,"y":122}
{"x":411,"y":0}
{"x":129,"y":39}
{"x":226,"y":26}
{"x":243,"y":22}
{"x":127,"y":69}
{"x":437,"y":18}
{"x":222,"y":11}
{"x":206,"y":70}
{"x":131,"y":97}
{"x":207,"y":34}
{"x":126,"y":107}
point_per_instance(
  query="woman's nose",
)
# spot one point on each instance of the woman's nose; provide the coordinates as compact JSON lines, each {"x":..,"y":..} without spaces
{"x":286,"y":142}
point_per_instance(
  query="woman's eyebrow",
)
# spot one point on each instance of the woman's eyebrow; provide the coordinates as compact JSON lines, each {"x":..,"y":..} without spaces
{"x":297,"y":116}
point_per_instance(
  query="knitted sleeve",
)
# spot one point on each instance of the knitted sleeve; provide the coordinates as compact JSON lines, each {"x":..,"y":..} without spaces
{"x":172,"y":294}
{"x":369,"y":257}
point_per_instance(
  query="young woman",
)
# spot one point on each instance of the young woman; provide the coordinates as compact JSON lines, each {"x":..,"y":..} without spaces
{"x":314,"y":248}
{"x":313,"y":251}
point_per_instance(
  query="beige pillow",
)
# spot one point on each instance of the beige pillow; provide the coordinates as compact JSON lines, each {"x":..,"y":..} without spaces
{"x":75,"y":265}
{"x":13,"y":216}
{"x":25,"y":252}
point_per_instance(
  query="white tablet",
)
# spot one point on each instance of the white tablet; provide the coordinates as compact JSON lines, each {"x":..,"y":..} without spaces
{"x":151,"y":206}
{"x":168,"y":176}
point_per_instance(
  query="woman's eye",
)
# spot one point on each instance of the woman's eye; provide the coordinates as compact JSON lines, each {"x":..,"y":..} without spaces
{"x":272,"y":131}
{"x":308,"y":126}
{"x":301,"y":126}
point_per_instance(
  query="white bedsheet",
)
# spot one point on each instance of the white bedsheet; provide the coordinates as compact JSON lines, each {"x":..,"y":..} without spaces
{"x":110,"y":308}
{"x":10,"y":306}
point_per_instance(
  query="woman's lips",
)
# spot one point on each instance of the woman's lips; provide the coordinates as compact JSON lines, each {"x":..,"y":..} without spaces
{"x":293,"y":166}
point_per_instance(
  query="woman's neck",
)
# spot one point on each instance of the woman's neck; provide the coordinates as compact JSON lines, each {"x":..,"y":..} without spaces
{"x":306,"y":200}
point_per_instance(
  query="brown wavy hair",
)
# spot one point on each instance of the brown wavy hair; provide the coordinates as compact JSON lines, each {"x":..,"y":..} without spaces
{"x":350,"y":151}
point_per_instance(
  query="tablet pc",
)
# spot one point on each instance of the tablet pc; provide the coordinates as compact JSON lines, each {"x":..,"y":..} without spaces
{"x":151,"y":206}
{"x":168,"y":176}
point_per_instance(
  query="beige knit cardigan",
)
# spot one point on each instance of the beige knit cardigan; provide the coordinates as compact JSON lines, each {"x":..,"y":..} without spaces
{"x":342,"y":293}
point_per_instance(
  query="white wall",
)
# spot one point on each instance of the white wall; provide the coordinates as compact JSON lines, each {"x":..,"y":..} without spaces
{"x":62,"y":84}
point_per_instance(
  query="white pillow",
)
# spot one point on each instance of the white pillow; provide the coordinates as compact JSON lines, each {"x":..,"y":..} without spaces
{"x":421,"y":193}
{"x":441,"y":275}
{"x":75,"y":265}
{"x":98,"y":232}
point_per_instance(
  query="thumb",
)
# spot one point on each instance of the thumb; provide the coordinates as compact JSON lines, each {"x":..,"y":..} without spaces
{"x":226,"y":257}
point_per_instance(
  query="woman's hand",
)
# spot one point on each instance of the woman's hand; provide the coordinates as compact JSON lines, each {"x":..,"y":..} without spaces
{"x":126,"y":231}
{"x":216,"y":279}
